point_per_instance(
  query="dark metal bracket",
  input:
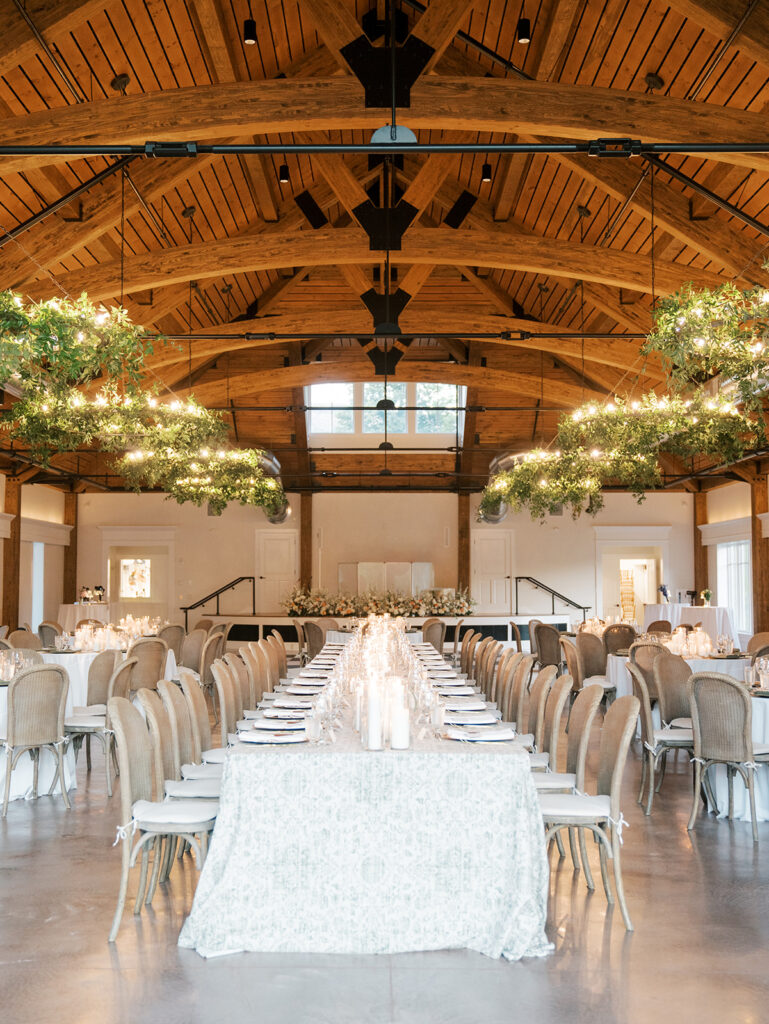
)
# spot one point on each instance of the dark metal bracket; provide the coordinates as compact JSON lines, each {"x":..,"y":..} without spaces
{"x":384,"y":308}
{"x":385,"y":227}
{"x":372,"y":66}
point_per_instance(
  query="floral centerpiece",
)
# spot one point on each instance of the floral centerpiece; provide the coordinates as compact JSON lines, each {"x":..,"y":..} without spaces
{"x":304,"y":602}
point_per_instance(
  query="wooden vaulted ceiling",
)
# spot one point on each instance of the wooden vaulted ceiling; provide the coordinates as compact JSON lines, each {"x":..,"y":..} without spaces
{"x":562,"y":240}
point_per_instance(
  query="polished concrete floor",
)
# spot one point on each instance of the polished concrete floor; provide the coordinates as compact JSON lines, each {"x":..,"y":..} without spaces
{"x":700,"y":905}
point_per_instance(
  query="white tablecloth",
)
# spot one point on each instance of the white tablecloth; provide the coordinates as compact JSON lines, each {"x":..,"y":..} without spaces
{"x":71,"y":614}
{"x":619,"y":676}
{"x":334,"y":849}
{"x":715,"y":620}
{"x":77,"y":665}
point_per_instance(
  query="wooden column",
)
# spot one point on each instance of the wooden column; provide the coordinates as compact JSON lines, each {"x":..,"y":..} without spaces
{"x":12,"y":554}
{"x":463,"y":541}
{"x":700,"y":550}
{"x":759,"y":503}
{"x":69,"y":586}
{"x":305,"y":541}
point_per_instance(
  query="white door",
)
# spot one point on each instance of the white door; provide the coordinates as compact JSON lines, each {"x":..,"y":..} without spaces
{"x":491,"y":571}
{"x":277,"y":568}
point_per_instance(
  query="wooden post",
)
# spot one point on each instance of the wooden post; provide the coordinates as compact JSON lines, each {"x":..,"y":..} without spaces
{"x":69,"y":583}
{"x":700,"y":551}
{"x":305,"y":541}
{"x":759,"y":503}
{"x":463,"y":541}
{"x":12,"y":554}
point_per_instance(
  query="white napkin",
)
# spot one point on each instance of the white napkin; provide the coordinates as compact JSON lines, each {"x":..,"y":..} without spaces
{"x":284,"y":713}
{"x":455,"y":691}
{"x":266,"y":723}
{"x":311,"y":690}
{"x":313,"y":673}
{"x":255,"y":736}
{"x":481,"y":734}
{"x":466,"y":704}
{"x":289,"y":702}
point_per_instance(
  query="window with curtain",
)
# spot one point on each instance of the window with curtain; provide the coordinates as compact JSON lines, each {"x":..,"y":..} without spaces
{"x":734,"y":582}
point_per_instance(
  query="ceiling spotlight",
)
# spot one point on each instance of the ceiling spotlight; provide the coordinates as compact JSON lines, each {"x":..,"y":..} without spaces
{"x":189,"y":212}
{"x":486,"y":172}
{"x":524,"y":31}
{"x":283,"y":176}
{"x":249,"y":30}
{"x":653,"y":81}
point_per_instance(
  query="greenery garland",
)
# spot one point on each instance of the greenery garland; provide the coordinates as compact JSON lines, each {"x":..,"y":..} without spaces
{"x":302,"y":601}
{"x":61,"y":343}
{"x":212,"y":477}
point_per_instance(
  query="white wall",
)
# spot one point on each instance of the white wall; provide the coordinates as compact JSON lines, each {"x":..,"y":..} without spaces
{"x":40,"y":502}
{"x":561,"y":552}
{"x":730,"y":502}
{"x":417,"y":527}
{"x":209,"y":550}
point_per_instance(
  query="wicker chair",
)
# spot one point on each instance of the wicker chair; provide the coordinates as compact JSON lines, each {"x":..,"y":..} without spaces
{"x":722,"y":720}
{"x":515,"y":634}
{"x":656,"y":742}
{"x":643,"y":654}
{"x":239,"y":673}
{"x":153,"y":821}
{"x":192,"y":648}
{"x":22,"y":639}
{"x":548,"y":640}
{"x":228,"y":701}
{"x":150,"y":653}
{"x":205,"y":752}
{"x":470,"y":641}
{"x":533,"y":623}
{"x":455,"y":648}
{"x":540,"y":690}
{"x":504,"y":678}
{"x":583,"y":712}
{"x":84,"y":725}
{"x":220,"y":627}
{"x":434,"y":632}
{"x":618,"y":637}
{"x":3,"y":632}
{"x":204,"y":624}
{"x":478,"y":657}
{"x":757,"y":641}
{"x":571,"y":658}
{"x":315,"y":639}
{"x":208,"y":656}
{"x":513,"y":710}
{"x":174,"y":638}
{"x":300,"y":642}
{"x":257,"y":680}
{"x":591,"y":655}
{"x":487,"y":667}
{"x":547,"y":749}
{"x":759,"y":652}
{"x":600,"y":814}
{"x":90,"y":719}
{"x":671,"y":678}
{"x":47,"y":632}
{"x":270,"y":652}
{"x":508,"y":657}
{"x":659,"y":626}
{"x":165,"y":758}
{"x":37,"y":697}
{"x":181,"y":733}
{"x":280,"y":648}
{"x":97,"y":623}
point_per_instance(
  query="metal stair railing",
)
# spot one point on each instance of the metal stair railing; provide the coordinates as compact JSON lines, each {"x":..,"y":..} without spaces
{"x":216,"y":594}
{"x":554,"y":594}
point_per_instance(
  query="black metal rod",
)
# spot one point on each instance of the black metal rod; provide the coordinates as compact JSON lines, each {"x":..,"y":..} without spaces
{"x":36,"y":218}
{"x":628,"y":148}
{"x":514,"y":335}
{"x":724,"y":204}
{"x":373,"y":408}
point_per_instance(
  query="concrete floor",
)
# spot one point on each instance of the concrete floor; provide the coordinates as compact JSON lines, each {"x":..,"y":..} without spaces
{"x":699,"y":902}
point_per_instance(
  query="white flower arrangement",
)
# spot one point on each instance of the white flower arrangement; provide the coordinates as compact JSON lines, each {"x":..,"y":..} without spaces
{"x":302,"y":601}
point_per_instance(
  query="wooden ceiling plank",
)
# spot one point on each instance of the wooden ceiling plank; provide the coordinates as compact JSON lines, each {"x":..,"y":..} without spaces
{"x":53,"y":20}
{"x":439,"y":24}
{"x":721,"y":17}
{"x":335,"y":24}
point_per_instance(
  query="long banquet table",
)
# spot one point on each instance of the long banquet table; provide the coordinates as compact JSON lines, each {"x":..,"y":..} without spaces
{"x":618,"y":675}
{"x":716,"y":619}
{"x":77,"y":664}
{"x":334,"y":849}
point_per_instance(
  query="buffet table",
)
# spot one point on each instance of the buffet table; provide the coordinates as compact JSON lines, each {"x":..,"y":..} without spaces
{"x":716,"y":620}
{"x":71,"y":614}
{"x":333,"y":849}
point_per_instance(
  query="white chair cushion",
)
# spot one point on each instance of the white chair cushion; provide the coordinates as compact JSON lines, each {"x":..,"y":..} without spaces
{"x":538,"y":762}
{"x":251,"y":714}
{"x":150,"y":813}
{"x":674,"y":737}
{"x":681,"y":723}
{"x":557,"y":806}
{"x":554,"y":780}
{"x":194,"y":789}
{"x":216,"y":755}
{"x":598,"y":681}
{"x":84,"y":722}
{"x":202,"y":771}
{"x":526,"y":739}
{"x":92,"y":709}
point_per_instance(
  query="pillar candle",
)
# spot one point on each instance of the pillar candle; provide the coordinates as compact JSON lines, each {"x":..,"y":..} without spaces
{"x":399,"y":727}
{"x":374,"y":720}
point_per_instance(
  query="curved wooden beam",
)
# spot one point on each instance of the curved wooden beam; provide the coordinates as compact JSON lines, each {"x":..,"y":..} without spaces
{"x":472,"y":105}
{"x":350,"y":322}
{"x":258,"y":382}
{"x":339,"y":246}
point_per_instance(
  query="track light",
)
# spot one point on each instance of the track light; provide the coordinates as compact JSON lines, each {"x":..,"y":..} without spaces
{"x":524,"y":31}
{"x":249,"y":31}
{"x":283,"y":176}
{"x":486,"y":172}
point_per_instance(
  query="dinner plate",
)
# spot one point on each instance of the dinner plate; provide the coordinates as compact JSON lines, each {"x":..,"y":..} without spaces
{"x":456,"y":691}
{"x":465,"y":704}
{"x":266,"y":724}
{"x":291,"y":703}
{"x":286,"y":714}
{"x":480,"y":733}
{"x":307,"y":690}
{"x":479,"y":718}
{"x":284,"y":736}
